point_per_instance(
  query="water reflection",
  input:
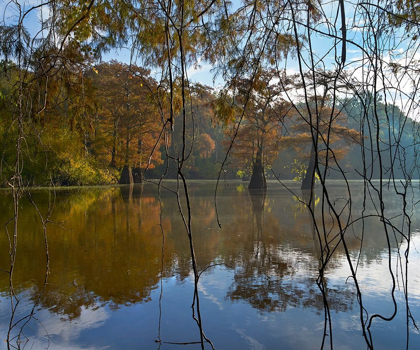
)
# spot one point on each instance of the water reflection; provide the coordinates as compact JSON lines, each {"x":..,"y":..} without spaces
{"x":106,"y":261}
{"x":270,"y":273}
{"x":105,"y":250}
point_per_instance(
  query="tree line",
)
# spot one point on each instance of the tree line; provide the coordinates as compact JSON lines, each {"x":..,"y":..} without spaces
{"x":100,"y":125}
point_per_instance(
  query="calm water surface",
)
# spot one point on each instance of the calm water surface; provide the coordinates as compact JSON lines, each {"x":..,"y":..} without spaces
{"x":120,"y":273}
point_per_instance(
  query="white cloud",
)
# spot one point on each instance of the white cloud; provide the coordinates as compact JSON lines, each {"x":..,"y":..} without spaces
{"x":68,"y":330}
{"x":253,"y":343}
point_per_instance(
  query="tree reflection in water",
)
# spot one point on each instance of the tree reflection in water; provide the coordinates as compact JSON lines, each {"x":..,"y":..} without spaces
{"x":115,"y":249}
{"x":267,"y":276}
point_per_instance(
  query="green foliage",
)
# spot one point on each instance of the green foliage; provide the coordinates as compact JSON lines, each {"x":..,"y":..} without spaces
{"x":240,"y":174}
{"x":54,"y":156}
{"x":299,"y":169}
{"x":84,"y":171}
{"x":68,"y":163}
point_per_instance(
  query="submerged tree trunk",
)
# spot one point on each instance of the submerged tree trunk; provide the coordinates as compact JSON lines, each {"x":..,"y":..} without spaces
{"x":138,"y":175}
{"x":127,"y":172}
{"x":309,"y":179}
{"x":258,"y":180}
{"x":308,"y":197}
{"x":138,"y":172}
{"x":114,"y":144}
{"x":126,"y":177}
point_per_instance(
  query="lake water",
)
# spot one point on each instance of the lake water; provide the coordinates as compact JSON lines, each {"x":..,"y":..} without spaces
{"x":120,"y":273}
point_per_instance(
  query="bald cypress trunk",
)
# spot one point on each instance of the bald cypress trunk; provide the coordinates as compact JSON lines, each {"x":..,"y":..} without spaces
{"x":126,"y":177}
{"x":258,"y":180}
{"x":114,"y":144}
{"x":127,"y":172}
{"x":309,"y":179}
